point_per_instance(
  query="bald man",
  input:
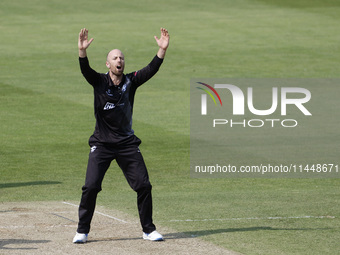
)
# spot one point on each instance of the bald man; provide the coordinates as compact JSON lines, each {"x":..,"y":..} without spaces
{"x":113,"y":137}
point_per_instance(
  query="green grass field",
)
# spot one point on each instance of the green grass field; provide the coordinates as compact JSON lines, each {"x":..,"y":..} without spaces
{"x":46,"y":110}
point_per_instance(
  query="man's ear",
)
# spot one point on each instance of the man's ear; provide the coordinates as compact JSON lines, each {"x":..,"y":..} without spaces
{"x":108,"y":65}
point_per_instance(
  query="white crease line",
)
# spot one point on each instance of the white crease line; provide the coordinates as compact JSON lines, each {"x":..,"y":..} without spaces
{"x":257,"y":218}
{"x":103,"y":214}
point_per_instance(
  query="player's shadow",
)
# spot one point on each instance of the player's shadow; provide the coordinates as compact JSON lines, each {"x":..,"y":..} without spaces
{"x":194,"y":234}
{"x":23,"y":184}
{"x":19,"y":242}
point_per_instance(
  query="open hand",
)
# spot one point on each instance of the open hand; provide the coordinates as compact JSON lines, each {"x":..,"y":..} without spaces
{"x":83,"y":42}
{"x":163,"y":42}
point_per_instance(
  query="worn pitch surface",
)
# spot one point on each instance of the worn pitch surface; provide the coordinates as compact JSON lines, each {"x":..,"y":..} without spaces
{"x":49,"y":227}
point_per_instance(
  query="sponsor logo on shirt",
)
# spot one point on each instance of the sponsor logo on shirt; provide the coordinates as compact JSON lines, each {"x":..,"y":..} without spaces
{"x":109,"y":106}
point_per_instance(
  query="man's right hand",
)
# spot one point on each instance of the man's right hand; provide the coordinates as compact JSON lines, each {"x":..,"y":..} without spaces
{"x":83,"y":42}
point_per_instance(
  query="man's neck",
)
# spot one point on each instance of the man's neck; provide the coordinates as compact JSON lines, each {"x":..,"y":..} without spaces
{"x":116,"y":80}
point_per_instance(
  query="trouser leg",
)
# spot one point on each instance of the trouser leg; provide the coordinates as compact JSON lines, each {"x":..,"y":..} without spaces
{"x":132,"y":163}
{"x":144,"y":203}
{"x":98,"y":163}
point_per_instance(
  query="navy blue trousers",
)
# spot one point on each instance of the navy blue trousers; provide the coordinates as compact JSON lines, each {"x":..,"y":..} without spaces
{"x":131,"y":161}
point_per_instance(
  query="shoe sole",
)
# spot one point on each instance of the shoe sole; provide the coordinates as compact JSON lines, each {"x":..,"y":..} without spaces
{"x":79,"y":242}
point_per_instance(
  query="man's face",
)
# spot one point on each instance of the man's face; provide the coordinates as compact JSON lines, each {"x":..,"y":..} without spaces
{"x":115,"y":62}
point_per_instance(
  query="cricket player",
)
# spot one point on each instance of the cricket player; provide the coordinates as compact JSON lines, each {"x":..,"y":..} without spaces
{"x":113,"y":137}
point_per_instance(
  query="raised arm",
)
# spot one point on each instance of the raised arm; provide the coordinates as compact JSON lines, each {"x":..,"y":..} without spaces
{"x":163,"y":43}
{"x":90,"y":75}
{"x":83,"y":42}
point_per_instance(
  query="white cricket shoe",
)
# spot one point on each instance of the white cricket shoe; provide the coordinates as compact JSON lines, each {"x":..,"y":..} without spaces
{"x":80,"y":238}
{"x":153,"y":236}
